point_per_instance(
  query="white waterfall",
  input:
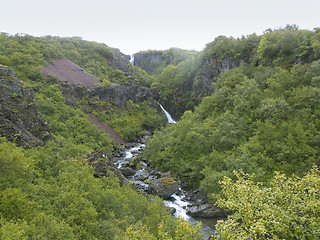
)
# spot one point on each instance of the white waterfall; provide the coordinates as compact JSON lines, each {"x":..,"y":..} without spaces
{"x":170,"y":120}
{"x":132,"y":59}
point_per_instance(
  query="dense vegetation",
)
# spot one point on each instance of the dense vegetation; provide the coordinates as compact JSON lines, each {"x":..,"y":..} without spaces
{"x":263,"y":116}
{"x":154,"y":61}
{"x":46,"y":193}
{"x":27,"y":54}
{"x":287,"y":209}
{"x":50,"y":192}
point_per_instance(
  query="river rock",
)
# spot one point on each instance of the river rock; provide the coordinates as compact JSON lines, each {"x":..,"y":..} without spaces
{"x":125,"y":164}
{"x":163,"y":187}
{"x":127,"y":171}
{"x":103,"y":166}
{"x":206,"y":210}
{"x":142,"y":175}
{"x":172,"y":210}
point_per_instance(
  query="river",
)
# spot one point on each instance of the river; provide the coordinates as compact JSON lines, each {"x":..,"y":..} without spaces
{"x":178,"y":200}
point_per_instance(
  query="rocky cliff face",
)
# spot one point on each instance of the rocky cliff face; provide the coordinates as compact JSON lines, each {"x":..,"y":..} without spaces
{"x":121,"y":61}
{"x":120,"y":94}
{"x":20,"y":120}
{"x":188,"y":95}
{"x":147,"y":61}
{"x":215,"y":67}
{"x":76,"y":82}
{"x":117,"y":94}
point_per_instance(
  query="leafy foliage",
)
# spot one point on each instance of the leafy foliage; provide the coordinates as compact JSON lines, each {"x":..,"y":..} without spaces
{"x":50,"y":192}
{"x":27,"y":54}
{"x":260,"y":119}
{"x":38,"y":200}
{"x":288,"y":209}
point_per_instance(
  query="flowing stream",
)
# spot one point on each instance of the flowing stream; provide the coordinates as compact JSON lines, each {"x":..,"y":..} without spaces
{"x":178,"y":201}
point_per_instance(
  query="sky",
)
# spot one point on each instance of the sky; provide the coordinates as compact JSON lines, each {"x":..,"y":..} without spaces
{"x":135,"y":25}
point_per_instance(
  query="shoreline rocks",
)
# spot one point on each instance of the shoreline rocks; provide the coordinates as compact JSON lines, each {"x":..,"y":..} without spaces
{"x":206,"y":210}
{"x":154,"y":182}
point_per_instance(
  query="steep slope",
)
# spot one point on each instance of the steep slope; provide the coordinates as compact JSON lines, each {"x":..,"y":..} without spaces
{"x":262,"y":117}
{"x":66,"y":70}
{"x":20,"y":120}
{"x":107,"y":129}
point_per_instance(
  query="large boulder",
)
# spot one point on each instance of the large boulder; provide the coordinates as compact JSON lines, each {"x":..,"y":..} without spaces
{"x":163,"y":187}
{"x":127,"y":171}
{"x":206,"y":210}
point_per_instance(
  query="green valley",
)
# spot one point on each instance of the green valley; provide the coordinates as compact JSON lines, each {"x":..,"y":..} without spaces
{"x":247,"y":136}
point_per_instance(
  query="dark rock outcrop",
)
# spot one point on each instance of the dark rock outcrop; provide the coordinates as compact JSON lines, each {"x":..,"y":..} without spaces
{"x":117,"y":94}
{"x":20,"y":120}
{"x":120,"y":94}
{"x":206,"y":210}
{"x":103,"y":166}
{"x":215,"y":67}
{"x":127,"y":171}
{"x":163,"y":187}
{"x":121,"y":61}
{"x":146,"y":61}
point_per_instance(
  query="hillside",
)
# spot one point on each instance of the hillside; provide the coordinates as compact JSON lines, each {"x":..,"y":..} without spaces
{"x":262,"y":117}
{"x":56,"y":143}
{"x":21,"y":122}
{"x":248,"y":135}
{"x":67,"y":71}
{"x":252,"y":145}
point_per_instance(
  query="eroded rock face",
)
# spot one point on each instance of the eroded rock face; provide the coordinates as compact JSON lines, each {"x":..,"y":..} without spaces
{"x":20,"y":120}
{"x":121,"y":61}
{"x":163,"y":187}
{"x":215,"y":67}
{"x":67,"y":71}
{"x":146,"y":60}
{"x":120,"y":94}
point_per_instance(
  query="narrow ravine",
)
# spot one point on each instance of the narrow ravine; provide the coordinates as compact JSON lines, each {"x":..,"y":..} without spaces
{"x":144,"y":174}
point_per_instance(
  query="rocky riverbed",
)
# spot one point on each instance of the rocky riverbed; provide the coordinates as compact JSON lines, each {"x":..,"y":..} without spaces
{"x":191,"y":205}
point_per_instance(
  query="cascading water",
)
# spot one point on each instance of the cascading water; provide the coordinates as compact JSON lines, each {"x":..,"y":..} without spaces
{"x":170,"y":120}
{"x":132,"y":59}
{"x":178,"y":201}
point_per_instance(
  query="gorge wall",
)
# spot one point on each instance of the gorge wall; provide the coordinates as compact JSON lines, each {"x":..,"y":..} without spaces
{"x":20,"y":120}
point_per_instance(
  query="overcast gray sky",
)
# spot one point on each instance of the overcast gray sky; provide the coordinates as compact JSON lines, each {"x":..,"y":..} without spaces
{"x":134,"y":25}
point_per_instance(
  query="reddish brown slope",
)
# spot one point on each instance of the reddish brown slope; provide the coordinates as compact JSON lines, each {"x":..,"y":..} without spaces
{"x":68,"y":71}
{"x":106,"y":128}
